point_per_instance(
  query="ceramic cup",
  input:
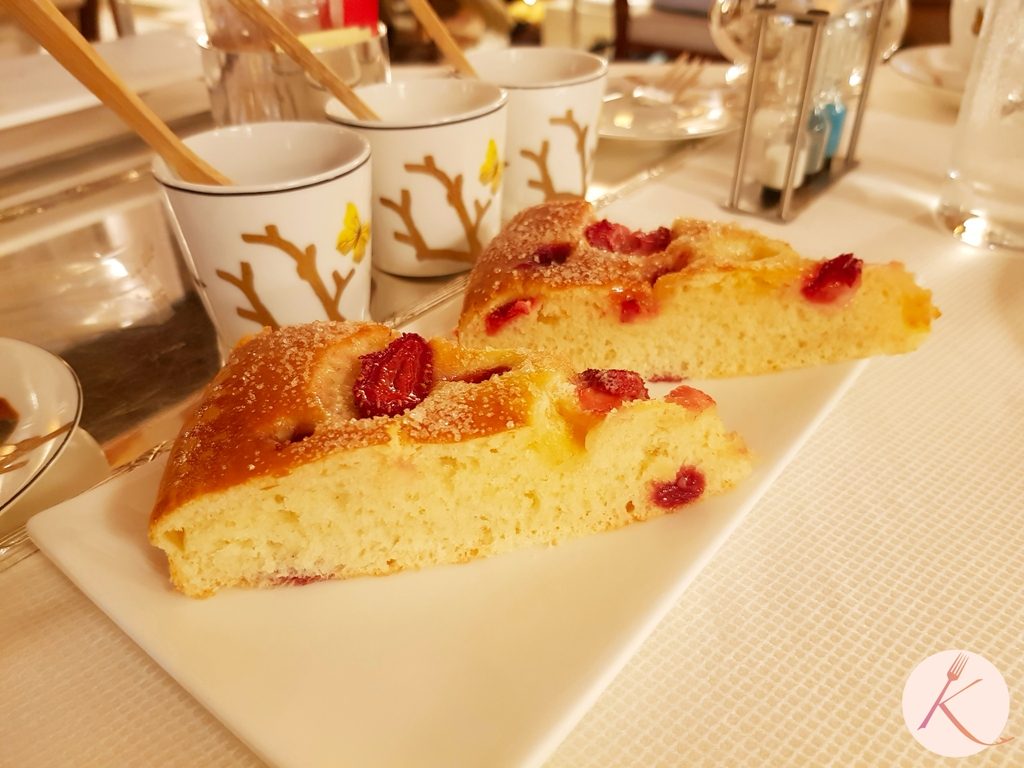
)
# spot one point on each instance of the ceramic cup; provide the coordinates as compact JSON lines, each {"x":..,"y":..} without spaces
{"x":554,"y":102}
{"x":439,"y":152}
{"x":289,"y":241}
{"x":965,"y":18}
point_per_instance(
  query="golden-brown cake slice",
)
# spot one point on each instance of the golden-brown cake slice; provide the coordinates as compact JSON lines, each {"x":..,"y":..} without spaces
{"x":699,"y":300}
{"x":341,"y":449}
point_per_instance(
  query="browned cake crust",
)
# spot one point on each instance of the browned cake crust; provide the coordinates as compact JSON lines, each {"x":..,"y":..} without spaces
{"x":502,"y":270}
{"x":338,"y":450}
{"x":284,"y":399}
{"x":699,"y":299}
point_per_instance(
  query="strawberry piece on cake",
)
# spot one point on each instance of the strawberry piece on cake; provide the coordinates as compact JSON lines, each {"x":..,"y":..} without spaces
{"x":701,"y":299}
{"x":334,"y":450}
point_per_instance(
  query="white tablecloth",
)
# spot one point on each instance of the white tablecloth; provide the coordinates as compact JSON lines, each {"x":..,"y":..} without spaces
{"x":895,"y":533}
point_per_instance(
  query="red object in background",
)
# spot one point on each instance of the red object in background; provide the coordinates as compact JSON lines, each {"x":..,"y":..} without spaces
{"x":348,"y":13}
{"x":325,"y":14}
{"x":361,"y":13}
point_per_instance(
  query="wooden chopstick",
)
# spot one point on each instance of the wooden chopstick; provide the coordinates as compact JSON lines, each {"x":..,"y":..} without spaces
{"x":57,"y":35}
{"x":288,"y":42}
{"x":439,"y":33}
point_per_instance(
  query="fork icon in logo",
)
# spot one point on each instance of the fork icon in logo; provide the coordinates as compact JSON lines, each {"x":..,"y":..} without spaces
{"x":940,"y":703}
{"x":953,"y":673}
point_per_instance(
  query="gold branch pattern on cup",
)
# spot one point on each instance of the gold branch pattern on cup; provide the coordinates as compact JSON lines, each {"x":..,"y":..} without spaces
{"x":544,"y":183}
{"x":353,"y":238}
{"x":454,"y":196}
{"x":246,"y":283}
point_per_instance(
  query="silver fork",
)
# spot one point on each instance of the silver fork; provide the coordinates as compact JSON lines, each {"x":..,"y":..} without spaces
{"x":684,"y":72}
{"x":953,"y":673}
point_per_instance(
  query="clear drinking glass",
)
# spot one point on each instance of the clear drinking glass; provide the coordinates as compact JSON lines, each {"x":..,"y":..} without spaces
{"x":248,"y":86}
{"x":249,"y":81}
{"x":982,"y":202}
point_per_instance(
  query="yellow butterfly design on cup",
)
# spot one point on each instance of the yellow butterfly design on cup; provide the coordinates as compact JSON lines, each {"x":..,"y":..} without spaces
{"x":354,"y":236}
{"x":490,"y":171}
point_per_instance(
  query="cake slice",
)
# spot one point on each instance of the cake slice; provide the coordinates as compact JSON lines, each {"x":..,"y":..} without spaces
{"x":701,"y":299}
{"x":335,"y":450}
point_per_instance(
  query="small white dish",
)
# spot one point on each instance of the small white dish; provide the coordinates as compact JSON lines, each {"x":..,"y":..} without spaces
{"x":707,"y":109}
{"x":934,"y":67}
{"x":81,"y":465}
{"x":47,"y":398}
{"x":44,"y":111}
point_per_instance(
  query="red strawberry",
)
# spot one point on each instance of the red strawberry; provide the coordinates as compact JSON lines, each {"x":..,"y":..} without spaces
{"x":632,"y":304}
{"x":602,"y":390}
{"x":298,"y":579}
{"x":500,"y":317}
{"x":607,"y":236}
{"x":620,"y":239}
{"x":396,"y":378}
{"x":629,"y":309}
{"x":552,"y":253}
{"x":690,"y":397}
{"x":686,"y":488}
{"x":833,"y":279}
{"x":655,"y":241}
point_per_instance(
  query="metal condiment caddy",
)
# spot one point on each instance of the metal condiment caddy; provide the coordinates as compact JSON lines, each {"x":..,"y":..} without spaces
{"x":809,"y":72}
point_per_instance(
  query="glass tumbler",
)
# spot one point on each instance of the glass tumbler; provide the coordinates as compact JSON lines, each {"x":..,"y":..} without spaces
{"x":250,"y":82}
{"x":982,"y":201}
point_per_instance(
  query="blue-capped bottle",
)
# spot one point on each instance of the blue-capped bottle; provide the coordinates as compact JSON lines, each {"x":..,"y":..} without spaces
{"x":833,"y":75}
{"x":819,"y":131}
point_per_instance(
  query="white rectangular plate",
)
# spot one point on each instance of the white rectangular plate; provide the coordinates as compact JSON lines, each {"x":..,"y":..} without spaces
{"x":489,"y":663}
{"x":44,"y":111}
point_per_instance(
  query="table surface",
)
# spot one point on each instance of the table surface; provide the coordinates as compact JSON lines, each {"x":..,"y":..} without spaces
{"x":895,"y":533}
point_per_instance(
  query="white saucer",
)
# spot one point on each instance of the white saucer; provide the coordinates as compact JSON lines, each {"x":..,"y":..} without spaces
{"x":708,"y":109}
{"x":81,"y":465}
{"x":45,"y":394}
{"x":932,"y":66}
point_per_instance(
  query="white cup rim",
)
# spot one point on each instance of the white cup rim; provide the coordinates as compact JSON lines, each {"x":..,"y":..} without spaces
{"x":507,"y":56}
{"x":168,"y":178}
{"x":496,"y":99}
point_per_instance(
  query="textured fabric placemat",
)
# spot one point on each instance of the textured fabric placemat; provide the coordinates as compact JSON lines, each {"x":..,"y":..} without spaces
{"x":896,"y":533}
{"x":76,"y":691}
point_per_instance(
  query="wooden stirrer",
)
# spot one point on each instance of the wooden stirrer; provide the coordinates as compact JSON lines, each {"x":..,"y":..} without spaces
{"x":57,"y":35}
